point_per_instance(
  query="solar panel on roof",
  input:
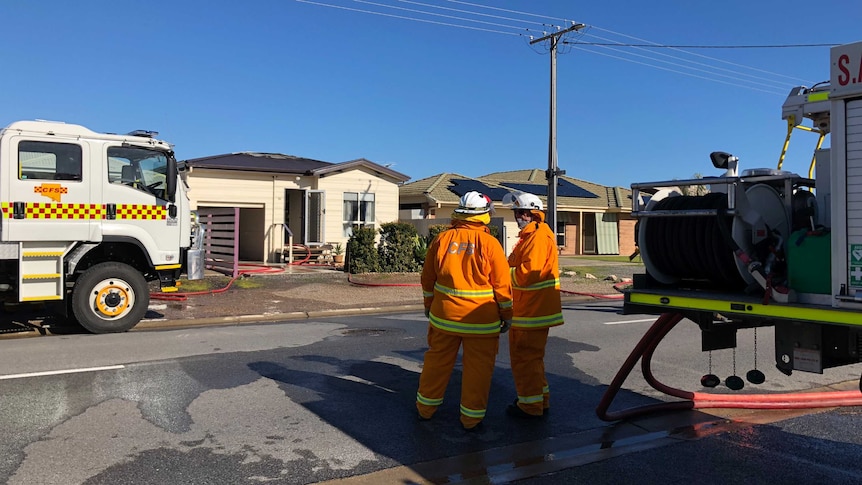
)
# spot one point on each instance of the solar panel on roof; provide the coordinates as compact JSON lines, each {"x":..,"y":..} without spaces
{"x":564,"y":189}
{"x":462,"y":186}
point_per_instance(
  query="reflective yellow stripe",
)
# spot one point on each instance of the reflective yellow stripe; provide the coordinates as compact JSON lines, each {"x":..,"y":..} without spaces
{"x":554,"y":283}
{"x":818,"y":96}
{"x":745,"y":308}
{"x":468,"y":328}
{"x":505,"y":304}
{"x":141,"y":211}
{"x":531,"y":399}
{"x":167,"y":266}
{"x":74,"y":211}
{"x":42,"y":298}
{"x":428,"y":401}
{"x":427,"y":294}
{"x":42,"y":276}
{"x":472,"y":413}
{"x":537,"y":322}
{"x":484,"y":293}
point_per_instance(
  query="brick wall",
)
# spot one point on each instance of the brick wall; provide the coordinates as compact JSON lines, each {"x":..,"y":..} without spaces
{"x":627,"y":236}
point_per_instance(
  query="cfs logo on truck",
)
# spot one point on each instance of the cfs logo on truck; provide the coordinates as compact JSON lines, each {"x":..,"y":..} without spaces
{"x":52,"y":191}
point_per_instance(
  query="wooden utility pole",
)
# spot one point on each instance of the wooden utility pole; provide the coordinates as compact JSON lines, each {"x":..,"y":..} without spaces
{"x":553,"y":172}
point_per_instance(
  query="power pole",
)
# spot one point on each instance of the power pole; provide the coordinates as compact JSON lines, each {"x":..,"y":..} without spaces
{"x":553,"y":172}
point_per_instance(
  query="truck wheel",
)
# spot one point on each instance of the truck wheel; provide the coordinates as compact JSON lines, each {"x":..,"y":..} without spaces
{"x":110,"y":297}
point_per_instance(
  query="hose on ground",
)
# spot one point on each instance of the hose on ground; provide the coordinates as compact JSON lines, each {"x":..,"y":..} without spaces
{"x":248,"y":270}
{"x":697,"y":400}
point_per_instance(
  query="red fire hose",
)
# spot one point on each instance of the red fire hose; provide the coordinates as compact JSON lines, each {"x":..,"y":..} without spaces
{"x":698,"y":400}
{"x":248,"y":269}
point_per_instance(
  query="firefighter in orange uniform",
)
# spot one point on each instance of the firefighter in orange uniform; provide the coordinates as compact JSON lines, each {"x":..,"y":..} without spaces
{"x":468,"y":300}
{"x":537,"y":306}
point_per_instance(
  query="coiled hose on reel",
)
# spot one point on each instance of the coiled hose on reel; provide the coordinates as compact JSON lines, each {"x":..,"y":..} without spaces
{"x":693,"y":248}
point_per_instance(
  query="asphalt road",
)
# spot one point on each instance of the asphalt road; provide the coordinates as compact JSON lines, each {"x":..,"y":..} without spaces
{"x":333,"y":399}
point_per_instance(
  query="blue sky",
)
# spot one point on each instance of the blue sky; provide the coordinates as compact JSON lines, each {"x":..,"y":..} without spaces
{"x":334,"y":84}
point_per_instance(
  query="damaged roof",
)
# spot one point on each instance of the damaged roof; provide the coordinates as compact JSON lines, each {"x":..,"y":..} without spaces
{"x":258,"y":162}
{"x":445,"y":188}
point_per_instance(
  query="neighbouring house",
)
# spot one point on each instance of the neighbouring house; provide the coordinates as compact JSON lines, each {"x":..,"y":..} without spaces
{"x":591,"y":218}
{"x":279,"y":199}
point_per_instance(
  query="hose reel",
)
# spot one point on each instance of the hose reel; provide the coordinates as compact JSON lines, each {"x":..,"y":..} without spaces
{"x":698,"y":240}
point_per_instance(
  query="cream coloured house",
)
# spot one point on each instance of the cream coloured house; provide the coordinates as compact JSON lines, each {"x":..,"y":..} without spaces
{"x":278,"y":197}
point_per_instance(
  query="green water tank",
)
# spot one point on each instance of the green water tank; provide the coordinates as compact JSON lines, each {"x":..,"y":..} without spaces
{"x":809,"y":262}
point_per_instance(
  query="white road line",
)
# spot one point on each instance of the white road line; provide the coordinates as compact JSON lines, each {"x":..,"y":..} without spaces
{"x":631,"y":321}
{"x":65,"y":371}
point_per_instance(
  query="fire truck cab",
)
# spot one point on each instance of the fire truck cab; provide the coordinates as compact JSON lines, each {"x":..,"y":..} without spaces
{"x":89,"y":218}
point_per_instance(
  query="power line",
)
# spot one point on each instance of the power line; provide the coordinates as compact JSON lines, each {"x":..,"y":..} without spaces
{"x":641,"y":40}
{"x":507,"y":10}
{"x":413,"y":10}
{"x":735,"y":74}
{"x":663,"y":46}
{"x":704,"y":56}
{"x":470,"y":12}
{"x":609,"y":44}
{"x":340,"y":7}
{"x":676,"y":71}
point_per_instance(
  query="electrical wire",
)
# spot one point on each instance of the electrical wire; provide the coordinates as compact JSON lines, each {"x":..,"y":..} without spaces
{"x":666,"y":46}
{"x":655,"y":44}
{"x":685,"y":66}
{"x":808,"y":82}
{"x":406,"y":18}
{"x":493,"y":24}
{"x":500,"y":17}
{"x":733,"y":74}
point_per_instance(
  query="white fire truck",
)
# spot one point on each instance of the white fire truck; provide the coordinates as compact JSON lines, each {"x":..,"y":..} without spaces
{"x":89,"y":218}
{"x":767,"y":246}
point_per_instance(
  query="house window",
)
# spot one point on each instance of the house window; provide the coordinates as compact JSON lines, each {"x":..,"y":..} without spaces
{"x":358,"y":211}
{"x":561,"y":233}
{"x":49,"y":161}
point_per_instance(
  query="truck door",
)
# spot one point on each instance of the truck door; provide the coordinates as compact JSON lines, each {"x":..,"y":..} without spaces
{"x":136,"y":208}
{"x":48,"y":180}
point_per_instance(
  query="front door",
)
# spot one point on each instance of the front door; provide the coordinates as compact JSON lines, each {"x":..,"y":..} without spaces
{"x":315,"y":213}
{"x":590,"y":246}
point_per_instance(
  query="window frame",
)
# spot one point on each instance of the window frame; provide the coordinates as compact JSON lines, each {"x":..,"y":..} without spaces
{"x":364,"y":201}
{"x":72,"y":152}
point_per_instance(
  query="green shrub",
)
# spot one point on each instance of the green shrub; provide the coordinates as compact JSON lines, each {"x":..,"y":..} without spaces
{"x":435,"y":230}
{"x":361,"y":251}
{"x":420,"y":249}
{"x":397,"y":248}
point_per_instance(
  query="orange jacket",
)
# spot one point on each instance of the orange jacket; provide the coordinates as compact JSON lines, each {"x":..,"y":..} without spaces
{"x":465,"y":281}
{"x":536,"y":279}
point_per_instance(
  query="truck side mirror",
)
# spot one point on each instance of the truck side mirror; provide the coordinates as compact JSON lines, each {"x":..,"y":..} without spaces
{"x":171,"y":180}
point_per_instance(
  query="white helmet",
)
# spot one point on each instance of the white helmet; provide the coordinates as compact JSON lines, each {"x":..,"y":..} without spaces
{"x":474,"y":203}
{"x":523,"y":201}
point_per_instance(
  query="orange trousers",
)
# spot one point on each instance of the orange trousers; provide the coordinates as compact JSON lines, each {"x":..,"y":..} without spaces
{"x":527,"y":356}
{"x":479,"y":356}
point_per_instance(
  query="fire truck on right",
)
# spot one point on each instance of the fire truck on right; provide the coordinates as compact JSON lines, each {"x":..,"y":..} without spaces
{"x":766,"y":246}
